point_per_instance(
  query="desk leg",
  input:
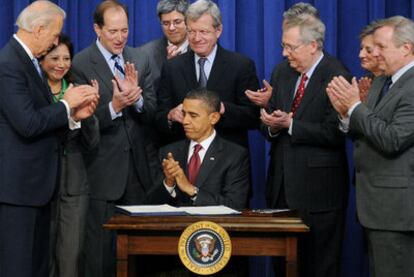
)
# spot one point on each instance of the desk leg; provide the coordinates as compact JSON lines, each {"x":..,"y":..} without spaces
{"x":291,"y":257}
{"x":122,"y":256}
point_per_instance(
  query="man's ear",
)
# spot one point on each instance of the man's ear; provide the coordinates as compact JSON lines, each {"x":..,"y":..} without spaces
{"x":38,"y":30}
{"x":214,"y":118}
{"x":97,"y":29}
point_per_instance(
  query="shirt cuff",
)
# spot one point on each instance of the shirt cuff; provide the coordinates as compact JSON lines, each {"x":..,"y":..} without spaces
{"x":271,"y":134}
{"x":344,"y":124}
{"x":139,"y":105}
{"x":351,"y":110}
{"x":114,"y":114}
{"x":73,"y":125}
{"x":171,"y":190}
{"x":290,"y":127}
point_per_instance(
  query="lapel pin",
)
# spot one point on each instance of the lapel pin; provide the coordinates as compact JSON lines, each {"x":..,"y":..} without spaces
{"x":211,"y":158}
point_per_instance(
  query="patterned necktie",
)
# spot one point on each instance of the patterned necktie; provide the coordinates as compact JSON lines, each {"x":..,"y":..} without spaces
{"x":202,"y":80}
{"x":194,"y":164}
{"x":299,"y":94}
{"x":37,"y":66}
{"x":118,"y":66}
{"x":385,"y":88}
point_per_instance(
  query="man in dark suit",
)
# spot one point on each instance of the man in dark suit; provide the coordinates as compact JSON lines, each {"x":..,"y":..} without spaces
{"x":29,"y":144}
{"x":204,"y":169}
{"x":227,"y":73}
{"x":174,"y":42}
{"x":222,"y":177}
{"x":308,"y":168}
{"x":383,"y":129}
{"x":118,"y":170}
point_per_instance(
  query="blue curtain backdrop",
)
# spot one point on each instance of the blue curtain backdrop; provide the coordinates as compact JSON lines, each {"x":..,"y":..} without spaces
{"x":254,"y":29}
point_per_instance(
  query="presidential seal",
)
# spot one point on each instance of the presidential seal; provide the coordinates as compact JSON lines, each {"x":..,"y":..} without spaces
{"x":204,"y":247}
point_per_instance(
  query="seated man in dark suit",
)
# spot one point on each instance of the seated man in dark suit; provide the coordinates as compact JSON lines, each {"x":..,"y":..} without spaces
{"x":203,"y":169}
{"x":210,"y":66}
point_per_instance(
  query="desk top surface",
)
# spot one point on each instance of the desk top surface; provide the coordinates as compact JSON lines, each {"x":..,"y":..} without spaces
{"x":246,"y":222}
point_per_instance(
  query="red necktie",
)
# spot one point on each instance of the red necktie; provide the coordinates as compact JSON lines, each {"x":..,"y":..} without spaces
{"x":194,"y":164}
{"x":299,"y":94}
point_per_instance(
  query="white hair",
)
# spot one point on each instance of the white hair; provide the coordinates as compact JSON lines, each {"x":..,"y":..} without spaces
{"x":39,"y":13}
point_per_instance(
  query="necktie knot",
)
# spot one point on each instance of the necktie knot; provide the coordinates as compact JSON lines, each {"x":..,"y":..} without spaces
{"x":197,"y":149}
{"x":202,"y":80}
{"x":37,"y":66}
{"x":385,"y":88}
{"x":117,"y":64}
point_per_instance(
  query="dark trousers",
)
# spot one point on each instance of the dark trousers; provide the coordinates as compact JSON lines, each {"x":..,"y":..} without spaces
{"x":390,"y":253}
{"x":320,"y":249}
{"x":24,"y":241}
{"x":99,"y":250}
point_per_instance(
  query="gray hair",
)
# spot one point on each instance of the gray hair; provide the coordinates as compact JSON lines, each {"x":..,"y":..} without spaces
{"x":39,"y":13}
{"x":167,"y":6}
{"x":403,"y":29}
{"x":310,"y":28}
{"x":300,"y":8}
{"x":368,"y":30}
{"x":201,"y":7}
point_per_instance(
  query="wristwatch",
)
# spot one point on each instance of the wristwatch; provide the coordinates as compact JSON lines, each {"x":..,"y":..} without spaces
{"x":195,"y":192}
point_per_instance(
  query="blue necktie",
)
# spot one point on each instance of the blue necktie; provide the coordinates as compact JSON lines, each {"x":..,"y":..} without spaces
{"x":202,"y":80}
{"x":385,"y":88}
{"x":118,"y":67}
{"x":37,"y":66}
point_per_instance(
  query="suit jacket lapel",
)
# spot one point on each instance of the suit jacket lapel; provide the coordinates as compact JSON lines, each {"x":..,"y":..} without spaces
{"x":218,"y":69}
{"x":189,"y":70}
{"x":313,"y":88}
{"x":209,"y":161}
{"x":42,"y":83}
{"x":181,"y":155}
{"x":290,"y":91}
{"x":394,"y":90}
{"x":101,"y":67}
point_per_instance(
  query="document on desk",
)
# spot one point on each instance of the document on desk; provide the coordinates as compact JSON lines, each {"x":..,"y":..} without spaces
{"x":209,"y":210}
{"x":155,"y":210}
{"x":160,"y":210}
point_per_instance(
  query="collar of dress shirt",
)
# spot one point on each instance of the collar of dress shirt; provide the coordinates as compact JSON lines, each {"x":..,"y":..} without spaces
{"x":205,"y":144}
{"x":183,"y":47}
{"x":210,"y":58}
{"x":313,"y":67}
{"x":26,"y":49}
{"x":400,"y":72}
{"x":108,"y":55}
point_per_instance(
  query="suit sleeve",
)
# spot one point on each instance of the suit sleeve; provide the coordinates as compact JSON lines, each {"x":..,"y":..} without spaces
{"x":17,"y":102}
{"x":242,"y":113}
{"x":391,"y":136}
{"x":235,"y":185}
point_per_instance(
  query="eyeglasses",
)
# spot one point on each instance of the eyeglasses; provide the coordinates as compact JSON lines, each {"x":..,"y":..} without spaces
{"x":175,"y":23}
{"x":202,"y":33}
{"x":290,"y":48}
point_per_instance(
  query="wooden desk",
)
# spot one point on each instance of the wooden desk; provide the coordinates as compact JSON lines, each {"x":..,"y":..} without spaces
{"x":250,"y":236}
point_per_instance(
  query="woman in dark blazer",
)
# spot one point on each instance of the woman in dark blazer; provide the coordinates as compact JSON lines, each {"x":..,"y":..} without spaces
{"x":70,"y":204}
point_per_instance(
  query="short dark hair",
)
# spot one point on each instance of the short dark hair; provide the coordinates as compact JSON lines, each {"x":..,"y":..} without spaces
{"x":98,"y":16}
{"x":210,"y":98}
{"x":167,"y":6}
{"x":65,"y":40}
